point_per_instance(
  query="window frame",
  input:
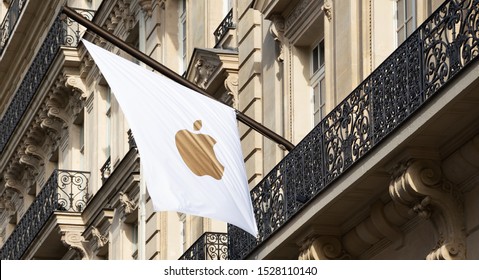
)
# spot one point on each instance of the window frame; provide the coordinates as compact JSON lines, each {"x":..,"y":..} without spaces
{"x":401,"y":25}
{"x":317,"y":81}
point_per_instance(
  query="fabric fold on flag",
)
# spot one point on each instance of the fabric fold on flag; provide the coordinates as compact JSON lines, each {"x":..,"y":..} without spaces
{"x":189,"y":143}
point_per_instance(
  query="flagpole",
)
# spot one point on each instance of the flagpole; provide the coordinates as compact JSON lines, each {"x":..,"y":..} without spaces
{"x":171,"y":74}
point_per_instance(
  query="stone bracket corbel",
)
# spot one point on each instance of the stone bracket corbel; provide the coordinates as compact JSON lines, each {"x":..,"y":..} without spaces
{"x":328,"y":9}
{"x":74,"y":240}
{"x":323,"y":247}
{"x":128,"y":205}
{"x":420,"y":185}
{"x":277,"y":31}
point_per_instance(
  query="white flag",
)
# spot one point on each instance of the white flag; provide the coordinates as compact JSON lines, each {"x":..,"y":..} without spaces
{"x":189,"y":144}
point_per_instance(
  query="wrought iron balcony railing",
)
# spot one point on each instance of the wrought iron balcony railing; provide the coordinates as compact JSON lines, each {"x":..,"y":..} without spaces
{"x":131,"y":139}
{"x":224,"y":26}
{"x":435,"y":53}
{"x":65,"y":191}
{"x":10,"y":21}
{"x":62,"y":33}
{"x":210,"y":246}
{"x":105,"y":170}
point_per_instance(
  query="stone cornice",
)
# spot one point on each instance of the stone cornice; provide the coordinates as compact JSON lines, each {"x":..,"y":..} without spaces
{"x":35,"y":115}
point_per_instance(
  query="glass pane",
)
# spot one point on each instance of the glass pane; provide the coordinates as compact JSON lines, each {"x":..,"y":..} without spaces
{"x":410,"y":27}
{"x":317,"y":103}
{"x":321,"y":53}
{"x":400,"y":12}
{"x":316,"y":97}
{"x":322,"y":98}
{"x":409,"y":8}
{"x":401,"y":36}
{"x":315,"y":60}
{"x":317,"y":117}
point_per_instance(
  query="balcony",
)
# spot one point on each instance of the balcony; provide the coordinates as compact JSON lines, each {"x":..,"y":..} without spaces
{"x":210,"y":246}
{"x":444,"y":45}
{"x":10,"y":22}
{"x":223,"y":28}
{"x":62,"y":34}
{"x":105,"y":170}
{"x":65,"y":191}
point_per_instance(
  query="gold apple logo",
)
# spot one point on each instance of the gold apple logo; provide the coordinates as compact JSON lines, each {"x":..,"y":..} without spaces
{"x":197,"y":152}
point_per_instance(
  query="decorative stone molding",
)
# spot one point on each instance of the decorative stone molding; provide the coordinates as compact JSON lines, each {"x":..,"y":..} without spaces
{"x":297,"y":12}
{"x":35,"y":138}
{"x":276,"y":29}
{"x":204,"y":69}
{"x":231,"y":85}
{"x":53,"y":127}
{"x":74,"y":84}
{"x":8,"y":204}
{"x":63,"y":102}
{"x":420,"y":185}
{"x":384,"y":222}
{"x":328,"y":9}
{"x":100,"y":239}
{"x":120,"y":14}
{"x":2,"y":236}
{"x":86,"y":65}
{"x":74,"y":240}
{"x":162,"y":3}
{"x":322,"y":248}
{"x":32,"y":163}
{"x":13,"y":181}
{"x":128,"y":205}
{"x":146,"y":7}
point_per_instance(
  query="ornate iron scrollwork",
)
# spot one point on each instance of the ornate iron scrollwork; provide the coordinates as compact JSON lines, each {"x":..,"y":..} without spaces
{"x":61,"y":34}
{"x":64,"y":191}
{"x":224,"y":26}
{"x":10,"y":21}
{"x":436,"y":52}
{"x":210,"y":246}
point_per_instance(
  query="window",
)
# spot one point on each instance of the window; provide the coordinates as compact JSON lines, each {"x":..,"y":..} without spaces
{"x":134,"y":241}
{"x":227,"y":6}
{"x":317,"y":82}
{"x":406,"y":19}
{"x":183,"y":232}
{"x":183,"y":31}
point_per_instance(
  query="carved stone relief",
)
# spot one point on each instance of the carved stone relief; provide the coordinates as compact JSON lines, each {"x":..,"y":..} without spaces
{"x":420,"y":185}
{"x":146,"y":7}
{"x":231,"y":85}
{"x":328,"y":9}
{"x":62,"y":104}
{"x":100,"y":239}
{"x":120,"y":14}
{"x":322,"y":248}
{"x":276,"y":30}
{"x":204,"y":69}
{"x":74,"y":240}
{"x":128,"y":205}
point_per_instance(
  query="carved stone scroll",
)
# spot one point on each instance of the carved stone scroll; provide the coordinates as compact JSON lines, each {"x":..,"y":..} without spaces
{"x":420,"y":185}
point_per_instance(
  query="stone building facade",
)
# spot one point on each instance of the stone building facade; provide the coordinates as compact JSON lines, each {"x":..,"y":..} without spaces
{"x":379,"y":97}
